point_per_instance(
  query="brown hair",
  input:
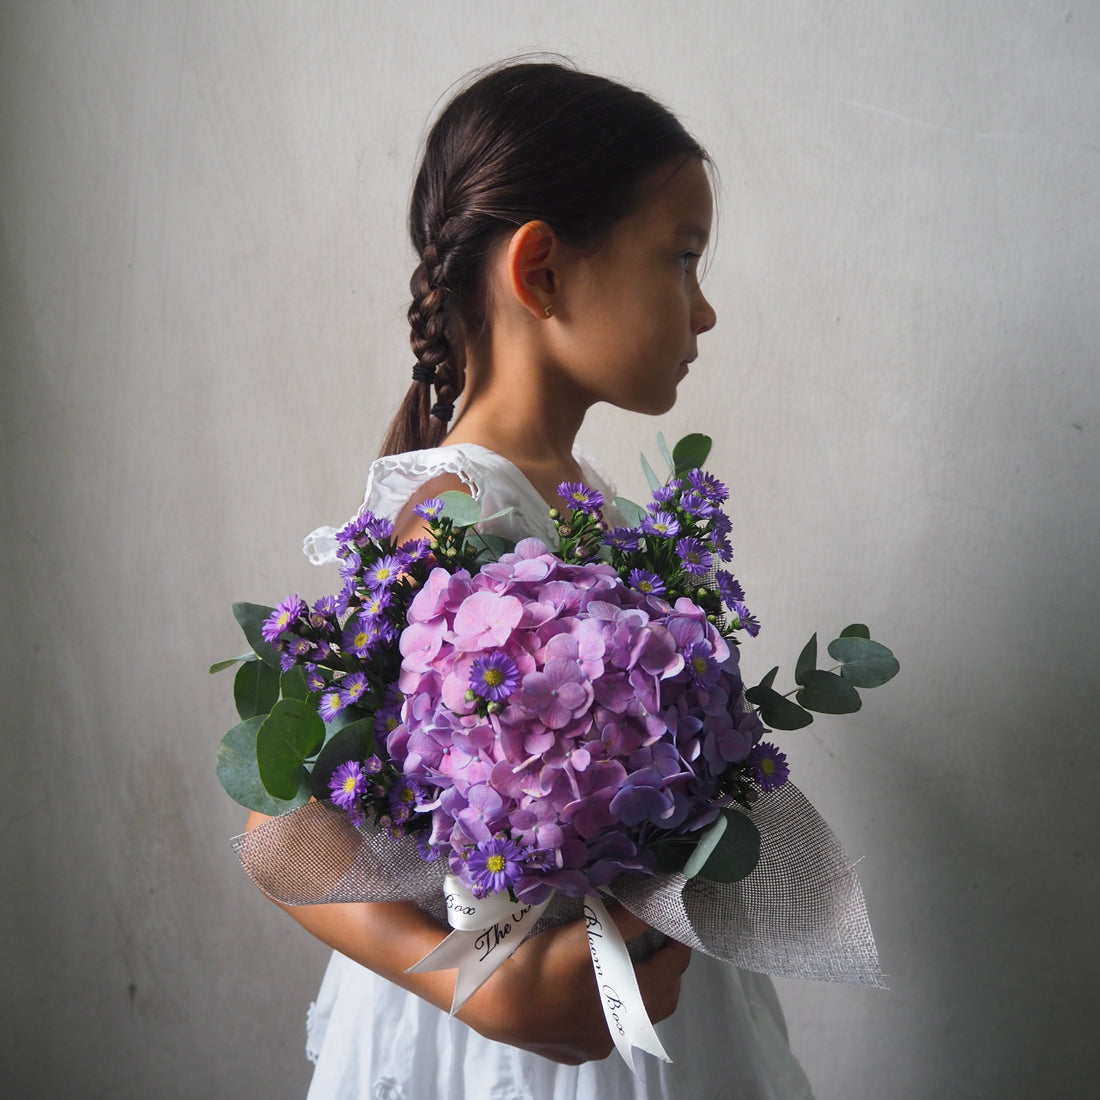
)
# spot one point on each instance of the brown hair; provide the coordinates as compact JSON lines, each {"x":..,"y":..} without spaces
{"x":525,"y":141}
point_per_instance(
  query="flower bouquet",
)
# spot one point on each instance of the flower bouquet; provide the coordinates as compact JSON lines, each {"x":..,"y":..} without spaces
{"x":544,"y":724}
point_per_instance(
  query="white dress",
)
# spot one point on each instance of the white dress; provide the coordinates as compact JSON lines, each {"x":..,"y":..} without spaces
{"x":371,"y":1040}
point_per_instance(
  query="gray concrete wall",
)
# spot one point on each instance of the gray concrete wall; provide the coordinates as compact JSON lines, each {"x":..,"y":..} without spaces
{"x":202,"y":279}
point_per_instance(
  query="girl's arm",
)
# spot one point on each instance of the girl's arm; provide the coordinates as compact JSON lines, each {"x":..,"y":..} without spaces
{"x":543,"y":999}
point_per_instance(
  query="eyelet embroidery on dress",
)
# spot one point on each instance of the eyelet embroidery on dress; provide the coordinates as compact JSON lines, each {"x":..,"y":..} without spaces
{"x":313,"y":1052}
{"x":387,"y":1088}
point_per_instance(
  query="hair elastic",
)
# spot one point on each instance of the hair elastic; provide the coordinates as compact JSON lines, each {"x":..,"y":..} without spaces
{"x":443,"y":410}
{"x":422,"y":373}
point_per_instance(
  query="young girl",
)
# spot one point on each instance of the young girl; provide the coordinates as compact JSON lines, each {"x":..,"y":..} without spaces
{"x":559,"y":218}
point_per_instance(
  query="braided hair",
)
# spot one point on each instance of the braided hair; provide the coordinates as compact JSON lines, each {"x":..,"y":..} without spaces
{"x":524,"y":141}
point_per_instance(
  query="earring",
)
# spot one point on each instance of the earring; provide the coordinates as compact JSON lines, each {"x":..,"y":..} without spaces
{"x":548,"y":309}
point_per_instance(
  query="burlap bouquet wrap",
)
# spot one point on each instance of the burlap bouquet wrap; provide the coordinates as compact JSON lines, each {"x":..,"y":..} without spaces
{"x":800,"y":913}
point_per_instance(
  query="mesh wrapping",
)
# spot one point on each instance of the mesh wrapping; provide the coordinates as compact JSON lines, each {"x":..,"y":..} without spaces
{"x":799,"y":914}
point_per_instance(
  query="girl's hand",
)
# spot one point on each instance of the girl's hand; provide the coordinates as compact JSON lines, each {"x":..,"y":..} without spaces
{"x":544,"y":998}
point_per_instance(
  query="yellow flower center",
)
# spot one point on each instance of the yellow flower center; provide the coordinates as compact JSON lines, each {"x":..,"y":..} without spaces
{"x":407,"y":795}
{"x":349,"y":785}
{"x":767,"y":765}
{"x":383,"y":573}
{"x":699,"y":664}
{"x":493,"y":677}
{"x":495,"y":864}
{"x":645,"y":586}
{"x":360,"y":639}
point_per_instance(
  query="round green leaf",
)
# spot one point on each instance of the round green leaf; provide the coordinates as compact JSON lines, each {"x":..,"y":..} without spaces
{"x":828,"y":693}
{"x":251,"y":618}
{"x":864,"y":663}
{"x":736,"y":852}
{"x":777,"y":711}
{"x":289,"y":736}
{"x":691,"y":452}
{"x":255,"y":688}
{"x":238,"y":774}
{"x":460,"y":508}
{"x":856,"y":630}
{"x":293,"y":684}
{"x":708,"y":841}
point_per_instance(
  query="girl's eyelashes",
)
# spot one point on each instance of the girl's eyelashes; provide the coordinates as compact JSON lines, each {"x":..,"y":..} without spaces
{"x":688,"y":258}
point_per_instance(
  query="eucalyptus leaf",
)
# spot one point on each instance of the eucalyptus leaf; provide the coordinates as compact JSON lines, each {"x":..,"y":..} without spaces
{"x":255,"y":689}
{"x":650,"y":476}
{"x":737,"y":852}
{"x":633,"y":514}
{"x":777,"y":711}
{"x":238,"y":774}
{"x":828,"y":693}
{"x":708,"y":841}
{"x":662,"y":446}
{"x":293,"y":684}
{"x":864,"y":663}
{"x":354,"y":742}
{"x":770,"y":678}
{"x":672,"y":853}
{"x":460,"y":508}
{"x":497,"y":545}
{"x":691,"y":452}
{"x":496,"y":515}
{"x":856,"y":630}
{"x":250,"y":617}
{"x":289,"y":736}
{"x":807,"y":660}
{"x":221,"y":666}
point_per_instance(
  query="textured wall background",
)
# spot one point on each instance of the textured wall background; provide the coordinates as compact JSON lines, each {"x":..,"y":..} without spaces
{"x":202,"y":280}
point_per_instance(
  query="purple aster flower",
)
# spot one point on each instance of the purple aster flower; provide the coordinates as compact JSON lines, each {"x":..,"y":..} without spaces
{"x":360,"y":635}
{"x":644,"y":581}
{"x":494,"y":865}
{"x":709,"y":486}
{"x":350,"y":564}
{"x":494,"y":677}
{"x":661,"y":524}
{"x":695,"y":504}
{"x":383,"y":573}
{"x":702,"y":665}
{"x":623,"y":538}
{"x":282,"y":618}
{"x":372,"y":765}
{"x":580,"y":497}
{"x":768,"y":766}
{"x":696,"y":558}
{"x":353,"y":533}
{"x":377,"y":527}
{"x":348,"y":785}
{"x":331,"y":703}
{"x":666,"y":493}
{"x":427,"y":851}
{"x":729,"y":588}
{"x":403,"y":799}
{"x":746,"y":619}
{"x":720,"y":528}
{"x":430,"y":508}
{"x":315,"y":680}
{"x":353,"y":687}
{"x":415,"y":550}
{"x":375,"y":604}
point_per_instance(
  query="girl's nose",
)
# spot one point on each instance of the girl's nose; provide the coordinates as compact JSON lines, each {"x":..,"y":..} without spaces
{"x":703,"y":317}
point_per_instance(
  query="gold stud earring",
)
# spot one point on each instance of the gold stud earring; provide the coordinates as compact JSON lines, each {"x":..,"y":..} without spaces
{"x":548,"y":309}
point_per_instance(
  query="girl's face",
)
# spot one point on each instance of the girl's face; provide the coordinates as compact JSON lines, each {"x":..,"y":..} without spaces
{"x":633,"y":310}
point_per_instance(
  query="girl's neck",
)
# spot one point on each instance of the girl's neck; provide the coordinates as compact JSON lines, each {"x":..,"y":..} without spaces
{"x":524,"y":414}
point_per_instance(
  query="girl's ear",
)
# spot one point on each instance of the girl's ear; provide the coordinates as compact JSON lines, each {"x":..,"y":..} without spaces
{"x":534,"y":253}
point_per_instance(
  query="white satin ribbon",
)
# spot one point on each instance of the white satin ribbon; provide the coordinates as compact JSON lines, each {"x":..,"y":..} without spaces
{"x":627,"y":1019}
{"x":488,"y":930}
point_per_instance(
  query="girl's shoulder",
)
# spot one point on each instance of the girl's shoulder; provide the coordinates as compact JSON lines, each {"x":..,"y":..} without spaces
{"x":492,"y":480}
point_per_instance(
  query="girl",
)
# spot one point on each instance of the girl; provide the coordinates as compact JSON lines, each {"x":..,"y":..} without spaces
{"x":559,"y":218}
